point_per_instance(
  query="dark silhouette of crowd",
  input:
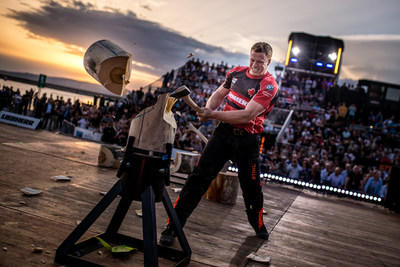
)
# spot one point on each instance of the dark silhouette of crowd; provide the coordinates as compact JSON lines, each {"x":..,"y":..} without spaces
{"x":332,"y":138}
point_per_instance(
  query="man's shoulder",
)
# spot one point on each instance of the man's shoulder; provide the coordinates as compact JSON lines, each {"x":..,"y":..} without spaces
{"x":238,"y":69}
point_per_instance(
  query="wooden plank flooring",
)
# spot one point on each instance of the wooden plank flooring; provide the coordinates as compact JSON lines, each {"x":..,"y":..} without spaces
{"x":307,"y":229}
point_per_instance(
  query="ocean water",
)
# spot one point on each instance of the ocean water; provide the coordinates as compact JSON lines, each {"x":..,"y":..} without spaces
{"x":55,"y":93}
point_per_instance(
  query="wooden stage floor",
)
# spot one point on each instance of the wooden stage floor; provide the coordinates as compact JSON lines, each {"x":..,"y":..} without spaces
{"x":307,"y":229}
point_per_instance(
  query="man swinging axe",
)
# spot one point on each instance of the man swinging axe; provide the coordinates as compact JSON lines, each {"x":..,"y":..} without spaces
{"x":251,"y":93}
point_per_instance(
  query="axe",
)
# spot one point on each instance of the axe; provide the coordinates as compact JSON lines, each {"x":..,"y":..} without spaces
{"x":184,"y":93}
{"x":196,"y":131}
{"x":202,"y":137}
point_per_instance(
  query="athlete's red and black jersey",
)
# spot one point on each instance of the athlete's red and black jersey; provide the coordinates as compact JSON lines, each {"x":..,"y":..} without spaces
{"x":245,"y":87}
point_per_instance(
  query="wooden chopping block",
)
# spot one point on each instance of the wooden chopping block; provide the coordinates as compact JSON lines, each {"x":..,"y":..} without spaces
{"x":224,"y":188}
{"x":155,"y":126}
{"x":109,"y":64}
{"x":110,"y":156}
{"x":184,"y":162}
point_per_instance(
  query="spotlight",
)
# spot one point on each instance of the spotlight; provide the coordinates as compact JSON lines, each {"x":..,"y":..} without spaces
{"x":330,"y":66}
{"x":294,"y":60}
{"x":295,"y":50}
{"x":358,"y":195}
{"x":303,"y":183}
{"x":323,"y":187}
{"x":319,"y":64}
{"x":334,"y":189}
{"x":319,"y":187}
{"x":284,"y":179}
{"x":379,"y":199}
{"x":362,"y":196}
{"x":332,"y":56}
{"x":351,"y":193}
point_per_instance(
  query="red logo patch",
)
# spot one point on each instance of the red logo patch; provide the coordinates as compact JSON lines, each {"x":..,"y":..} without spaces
{"x":251,"y":91}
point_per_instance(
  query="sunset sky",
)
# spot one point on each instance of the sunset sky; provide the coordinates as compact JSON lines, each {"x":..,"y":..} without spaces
{"x":51,"y":37}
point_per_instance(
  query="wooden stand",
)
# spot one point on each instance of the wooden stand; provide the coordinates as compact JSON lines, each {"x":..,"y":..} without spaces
{"x":224,"y":188}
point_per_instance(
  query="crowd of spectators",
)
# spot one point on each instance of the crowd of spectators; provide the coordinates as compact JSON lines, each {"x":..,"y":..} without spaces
{"x":329,"y":140}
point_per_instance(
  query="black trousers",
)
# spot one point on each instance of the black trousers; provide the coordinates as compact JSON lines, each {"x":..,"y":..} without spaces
{"x":226,"y":145}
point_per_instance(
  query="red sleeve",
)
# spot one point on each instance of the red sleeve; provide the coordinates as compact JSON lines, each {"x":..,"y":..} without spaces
{"x":268,"y":92}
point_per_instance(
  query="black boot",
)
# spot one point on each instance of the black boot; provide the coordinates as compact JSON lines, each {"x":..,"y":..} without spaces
{"x":167,"y":236}
{"x":262,"y":233}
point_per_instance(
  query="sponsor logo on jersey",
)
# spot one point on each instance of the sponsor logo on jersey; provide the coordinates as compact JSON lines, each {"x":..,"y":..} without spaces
{"x":251,"y":91}
{"x":234,"y":80}
{"x":269,"y":87}
{"x":238,"y":100}
{"x":266,"y":93}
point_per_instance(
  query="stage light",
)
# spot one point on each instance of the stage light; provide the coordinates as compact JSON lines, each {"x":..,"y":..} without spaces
{"x":332,"y":56}
{"x":318,"y":187}
{"x":293,"y":59}
{"x":295,"y":50}
{"x":379,"y":199}
{"x":347,"y":192}
{"x":288,"y":52}
{"x":330,"y":66}
{"x":338,"y":61}
{"x":351,"y":193}
{"x":358,"y":195}
{"x":319,"y":64}
{"x":362,"y":196}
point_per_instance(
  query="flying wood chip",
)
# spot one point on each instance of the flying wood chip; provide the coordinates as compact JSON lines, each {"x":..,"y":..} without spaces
{"x":190,"y":55}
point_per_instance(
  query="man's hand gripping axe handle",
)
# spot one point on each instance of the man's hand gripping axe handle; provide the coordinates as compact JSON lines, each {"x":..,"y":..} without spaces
{"x":184,"y":93}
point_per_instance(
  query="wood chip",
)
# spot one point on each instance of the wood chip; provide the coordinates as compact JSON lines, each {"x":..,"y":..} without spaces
{"x":62,"y":178}
{"x":254,"y":257}
{"x":139,"y":213}
{"x":176,"y":189}
{"x":37,"y":250}
{"x":190,"y":55}
{"x":5,"y":249}
{"x":30,"y":191}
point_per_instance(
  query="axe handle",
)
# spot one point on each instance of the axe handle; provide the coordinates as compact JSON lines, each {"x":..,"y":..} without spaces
{"x":196,"y":131}
{"x":191,"y":104}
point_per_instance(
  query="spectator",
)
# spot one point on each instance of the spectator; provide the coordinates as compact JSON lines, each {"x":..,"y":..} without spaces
{"x":354,"y":179}
{"x":293,"y":169}
{"x":108,"y":134}
{"x":374,"y":184}
{"x":336,"y":179}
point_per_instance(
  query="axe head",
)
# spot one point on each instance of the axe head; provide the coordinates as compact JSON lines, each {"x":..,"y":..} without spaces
{"x":180,"y":92}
